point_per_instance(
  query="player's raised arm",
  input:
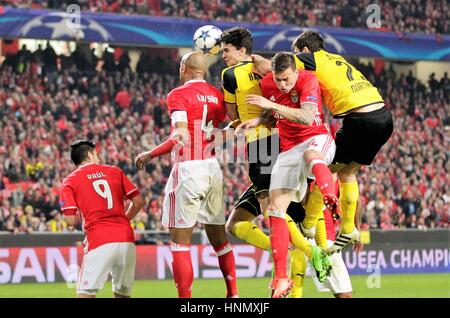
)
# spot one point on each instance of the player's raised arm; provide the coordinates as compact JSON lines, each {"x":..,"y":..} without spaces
{"x":262,"y":65}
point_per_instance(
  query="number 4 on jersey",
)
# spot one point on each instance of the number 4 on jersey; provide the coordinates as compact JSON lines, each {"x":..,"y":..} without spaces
{"x":207,"y":127}
{"x":105,"y":193}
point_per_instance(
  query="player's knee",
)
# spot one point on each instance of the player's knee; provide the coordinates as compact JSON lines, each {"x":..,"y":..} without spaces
{"x":229,"y":226}
{"x":263,"y":195}
{"x":348,"y":173}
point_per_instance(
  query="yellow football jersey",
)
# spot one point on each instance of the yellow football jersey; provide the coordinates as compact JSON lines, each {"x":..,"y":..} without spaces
{"x":343,"y":87}
{"x":238,"y":81}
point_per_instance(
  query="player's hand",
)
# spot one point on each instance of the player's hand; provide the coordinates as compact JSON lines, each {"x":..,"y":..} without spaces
{"x":141,"y":159}
{"x":358,"y":247}
{"x":262,"y":65}
{"x":248,"y":124}
{"x":260,"y":101}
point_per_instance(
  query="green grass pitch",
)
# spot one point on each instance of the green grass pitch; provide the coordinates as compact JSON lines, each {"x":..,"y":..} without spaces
{"x":391,"y":286}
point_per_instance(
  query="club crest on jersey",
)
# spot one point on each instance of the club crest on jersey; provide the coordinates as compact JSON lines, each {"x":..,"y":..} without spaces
{"x":294,"y":96}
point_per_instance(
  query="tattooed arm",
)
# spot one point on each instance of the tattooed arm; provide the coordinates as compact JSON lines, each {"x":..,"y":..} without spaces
{"x":304,"y":115}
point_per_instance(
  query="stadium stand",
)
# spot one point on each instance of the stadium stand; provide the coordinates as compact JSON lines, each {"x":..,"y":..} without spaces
{"x":46,"y":102}
{"x":425,"y":16}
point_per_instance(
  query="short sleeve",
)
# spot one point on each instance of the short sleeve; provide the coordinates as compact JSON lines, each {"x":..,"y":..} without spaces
{"x":229,"y":85}
{"x":128,"y":188}
{"x":67,"y":199}
{"x":309,"y":87}
{"x":176,"y":102}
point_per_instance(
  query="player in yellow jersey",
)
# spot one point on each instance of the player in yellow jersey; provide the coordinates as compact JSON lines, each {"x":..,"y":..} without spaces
{"x":367,"y":126}
{"x":238,"y":81}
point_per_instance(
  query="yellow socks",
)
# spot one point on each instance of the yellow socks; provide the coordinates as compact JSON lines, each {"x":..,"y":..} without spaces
{"x":314,"y":208}
{"x":348,"y":196}
{"x":298,"y":269}
{"x":321,"y":234}
{"x":297,"y":238}
{"x":252,"y":234}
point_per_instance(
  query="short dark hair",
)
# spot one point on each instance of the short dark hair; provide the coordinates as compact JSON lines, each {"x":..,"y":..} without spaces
{"x":239,"y":38}
{"x":79,"y":150}
{"x":282,"y":61}
{"x":310,"y":39}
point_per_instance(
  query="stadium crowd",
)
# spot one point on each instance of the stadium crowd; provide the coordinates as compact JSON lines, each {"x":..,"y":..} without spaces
{"x":411,"y":16}
{"x":46,"y":103}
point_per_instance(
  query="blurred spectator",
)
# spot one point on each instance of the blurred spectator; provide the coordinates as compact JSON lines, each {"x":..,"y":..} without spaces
{"x":57,"y":225}
{"x":424,"y":16}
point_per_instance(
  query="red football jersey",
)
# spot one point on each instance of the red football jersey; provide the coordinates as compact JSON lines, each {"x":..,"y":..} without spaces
{"x":205,"y":110}
{"x":306,"y":90}
{"x":98,"y":193}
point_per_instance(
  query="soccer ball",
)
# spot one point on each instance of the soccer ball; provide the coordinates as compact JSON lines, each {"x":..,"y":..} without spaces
{"x":207,"y":39}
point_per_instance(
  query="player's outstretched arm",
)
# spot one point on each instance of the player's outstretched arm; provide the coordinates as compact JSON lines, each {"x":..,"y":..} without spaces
{"x":262,"y":65}
{"x":180,"y":135}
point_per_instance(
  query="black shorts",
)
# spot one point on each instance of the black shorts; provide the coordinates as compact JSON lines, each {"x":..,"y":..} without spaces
{"x":249,"y":202}
{"x":261,"y":158}
{"x":362,"y":135}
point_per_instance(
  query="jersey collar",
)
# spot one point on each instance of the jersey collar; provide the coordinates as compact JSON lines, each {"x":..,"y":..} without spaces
{"x":86,"y":164}
{"x":195,"y":81}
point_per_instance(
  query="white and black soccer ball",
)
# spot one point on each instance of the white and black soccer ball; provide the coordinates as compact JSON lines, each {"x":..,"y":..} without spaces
{"x":207,"y":39}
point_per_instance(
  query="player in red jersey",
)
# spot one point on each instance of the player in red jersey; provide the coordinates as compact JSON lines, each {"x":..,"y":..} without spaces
{"x":95,"y":194}
{"x":194,"y":191}
{"x":293,"y":98}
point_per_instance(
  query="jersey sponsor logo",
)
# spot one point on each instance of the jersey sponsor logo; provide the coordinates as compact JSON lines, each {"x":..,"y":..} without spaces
{"x":272,"y":98}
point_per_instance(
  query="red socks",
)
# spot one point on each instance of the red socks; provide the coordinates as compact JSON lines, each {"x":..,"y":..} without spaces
{"x":183,"y":273}
{"x":228,"y":267}
{"x":279,"y":240}
{"x":324,"y":179}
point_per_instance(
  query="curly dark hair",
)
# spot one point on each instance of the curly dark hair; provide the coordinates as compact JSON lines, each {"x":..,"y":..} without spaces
{"x":239,"y":38}
{"x":310,"y":39}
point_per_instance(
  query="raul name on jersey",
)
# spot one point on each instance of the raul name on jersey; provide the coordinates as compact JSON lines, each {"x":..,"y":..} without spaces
{"x":96,"y":175}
